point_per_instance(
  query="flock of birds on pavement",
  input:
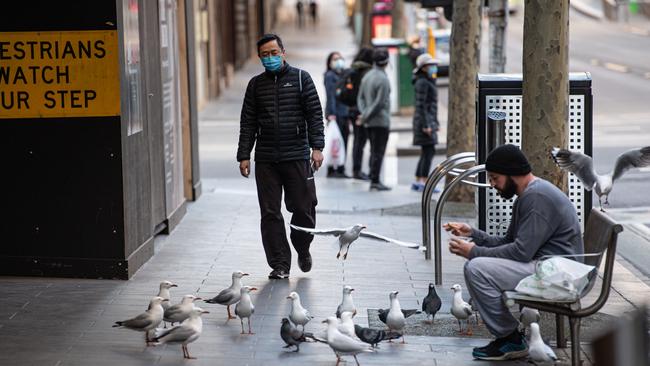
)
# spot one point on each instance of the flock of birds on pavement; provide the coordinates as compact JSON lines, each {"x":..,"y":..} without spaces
{"x":343,"y":336}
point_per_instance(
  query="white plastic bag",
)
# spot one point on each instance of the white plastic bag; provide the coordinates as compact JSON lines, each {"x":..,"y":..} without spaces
{"x":556,"y":278}
{"x":334,"y":151}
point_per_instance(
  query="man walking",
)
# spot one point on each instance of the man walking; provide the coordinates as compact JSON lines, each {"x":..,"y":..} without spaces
{"x":374,"y":104}
{"x":282,"y":117}
{"x":544,"y":222}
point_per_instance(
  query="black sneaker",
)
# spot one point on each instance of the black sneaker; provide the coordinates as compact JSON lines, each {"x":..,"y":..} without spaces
{"x":278,"y":274}
{"x":304,"y":262}
{"x":361,"y":176}
{"x":379,"y":187}
{"x":506,"y":348}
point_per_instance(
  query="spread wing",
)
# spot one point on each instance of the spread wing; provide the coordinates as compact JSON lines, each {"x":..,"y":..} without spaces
{"x":375,"y":236}
{"x":577,"y":163}
{"x":333,"y":231}
{"x":635,"y":158}
{"x":383,"y":314}
{"x":409,"y":312}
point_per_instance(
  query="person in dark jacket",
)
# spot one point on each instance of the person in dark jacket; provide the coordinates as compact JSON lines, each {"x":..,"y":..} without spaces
{"x":361,"y":65}
{"x":282,"y":117}
{"x":425,"y":118}
{"x":335,"y":110}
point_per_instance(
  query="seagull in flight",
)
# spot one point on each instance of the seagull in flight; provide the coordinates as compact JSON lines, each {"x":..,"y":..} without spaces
{"x":348,"y":235}
{"x":583,"y":167}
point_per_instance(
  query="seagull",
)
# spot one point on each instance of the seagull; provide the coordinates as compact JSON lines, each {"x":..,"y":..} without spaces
{"x":346,"y":303}
{"x":347,"y":236}
{"x":431,"y":303}
{"x":538,"y":351}
{"x":186,"y":332}
{"x":528,"y":316}
{"x":346,"y":324}
{"x":292,"y":336}
{"x":395,"y":318}
{"x":146,"y":321}
{"x":341,"y":344}
{"x":230,"y":295}
{"x":298,"y":314}
{"x":245,"y":307}
{"x":460,"y":309}
{"x":182,"y":311}
{"x":474,"y":308}
{"x":164,"y":293}
{"x":582,"y":166}
{"x":374,"y":336}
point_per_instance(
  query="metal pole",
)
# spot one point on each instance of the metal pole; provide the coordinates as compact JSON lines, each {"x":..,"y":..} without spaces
{"x":498,"y":15}
{"x":433,"y":179}
{"x":438,"y":217}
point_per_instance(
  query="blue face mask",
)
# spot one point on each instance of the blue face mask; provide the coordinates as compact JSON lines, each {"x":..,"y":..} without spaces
{"x":433,"y":71}
{"x":272,"y":63}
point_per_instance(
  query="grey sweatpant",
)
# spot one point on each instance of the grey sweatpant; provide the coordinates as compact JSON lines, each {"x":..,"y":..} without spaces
{"x":486,"y":279}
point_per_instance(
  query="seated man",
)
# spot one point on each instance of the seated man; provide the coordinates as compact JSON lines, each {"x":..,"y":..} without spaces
{"x":544,"y":222}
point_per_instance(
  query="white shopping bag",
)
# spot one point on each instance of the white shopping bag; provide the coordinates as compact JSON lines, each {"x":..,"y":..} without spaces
{"x":334,"y":151}
{"x":556,"y":278}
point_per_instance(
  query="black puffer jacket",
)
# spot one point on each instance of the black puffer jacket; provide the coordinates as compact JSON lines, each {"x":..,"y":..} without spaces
{"x":426,"y":109}
{"x":278,"y":119}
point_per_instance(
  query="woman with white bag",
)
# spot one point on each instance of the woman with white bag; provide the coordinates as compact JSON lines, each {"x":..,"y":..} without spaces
{"x":544,"y":222}
{"x":336,"y":112}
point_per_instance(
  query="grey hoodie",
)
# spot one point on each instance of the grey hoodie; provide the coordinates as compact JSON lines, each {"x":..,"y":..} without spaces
{"x":374,"y":99}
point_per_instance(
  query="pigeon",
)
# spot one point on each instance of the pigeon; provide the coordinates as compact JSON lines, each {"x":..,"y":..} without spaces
{"x":245,"y":307}
{"x":346,"y":324}
{"x":343,"y":345}
{"x":374,"y":336}
{"x":182,"y":311}
{"x":582,"y":166}
{"x":347,"y":236}
{"x":538,"y":351}
{"x":528,"y":316}
{"x":186,"y":332}
{"x":474,"y":308}
{"x":298,"y":314}
{"x":292,"y":336}
{"x":347,"y":304}
{"x":460,"y":309}
{"x":146,"y":321}
{"x":230,"y":295}
{"x":431,"y":303}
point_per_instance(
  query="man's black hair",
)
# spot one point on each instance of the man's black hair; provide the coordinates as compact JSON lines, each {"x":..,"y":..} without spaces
{"x":269,"y":37}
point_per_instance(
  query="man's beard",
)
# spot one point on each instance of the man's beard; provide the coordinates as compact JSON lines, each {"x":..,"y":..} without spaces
{"x":509,"y":190}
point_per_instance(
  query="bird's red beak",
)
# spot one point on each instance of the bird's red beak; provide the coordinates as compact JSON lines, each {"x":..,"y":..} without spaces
{"x":253,"y":288}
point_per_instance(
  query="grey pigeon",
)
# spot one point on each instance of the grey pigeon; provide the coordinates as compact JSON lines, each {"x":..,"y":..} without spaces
{"x":431,"y":303}
{"x":185,"y":333}
{"x":348,"y":235}
{"x":374,"y":336}
{"x":292,"y":336}
{"x":341,"y":344}
{"x":347,"y":304}
{"x":460,"y":309}
{"x":538,"y":351}
{"x":179,"y":312}
{"x":146,"y":321}
{"x":230,"y":295}
{"x":582,"y":166}
{"x":245,"y":307}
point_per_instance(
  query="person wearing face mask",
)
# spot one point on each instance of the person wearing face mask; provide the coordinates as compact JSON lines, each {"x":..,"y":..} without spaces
{"x":544,"y":222}
{"x":282,"y":118}
{"x":425,"y":117}
{"x":335,"y":110}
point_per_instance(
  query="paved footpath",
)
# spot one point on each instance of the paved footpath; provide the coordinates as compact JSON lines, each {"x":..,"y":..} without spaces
{"x":56,"y":322}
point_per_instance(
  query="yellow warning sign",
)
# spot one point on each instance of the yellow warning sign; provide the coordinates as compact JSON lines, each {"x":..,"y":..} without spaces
{"x":59,"y":74}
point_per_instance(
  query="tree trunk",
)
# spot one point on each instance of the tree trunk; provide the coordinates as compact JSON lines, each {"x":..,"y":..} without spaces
{"x":397,"y":15}
{"x":463,"y":68}
{"x":498,"y":15}
{"x":545,"y":85}
{"x":366,"y":27}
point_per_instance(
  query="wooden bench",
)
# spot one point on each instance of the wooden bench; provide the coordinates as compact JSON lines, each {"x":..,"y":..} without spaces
{"x":600,"y":236}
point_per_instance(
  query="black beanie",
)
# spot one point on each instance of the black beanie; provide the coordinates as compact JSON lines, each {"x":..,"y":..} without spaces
{"x":507,"y":160}
{"x":380,"y":56}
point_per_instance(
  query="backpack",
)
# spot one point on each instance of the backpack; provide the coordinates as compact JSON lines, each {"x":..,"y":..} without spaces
{"x":347,"y":87}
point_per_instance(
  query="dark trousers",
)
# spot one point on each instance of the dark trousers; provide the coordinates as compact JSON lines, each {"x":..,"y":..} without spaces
{"x":424,"y":164}
{"x":378,"y":139}
{"x":344,"y":127}
{"x":358,"y":144}
{"x":296,"y":178}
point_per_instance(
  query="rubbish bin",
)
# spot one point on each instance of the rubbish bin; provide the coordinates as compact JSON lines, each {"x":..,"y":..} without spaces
{"x":405,"y":69}
{"x":499,"y":93}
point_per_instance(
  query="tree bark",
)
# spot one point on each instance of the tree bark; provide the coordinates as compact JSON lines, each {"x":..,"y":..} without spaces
{"x":463,"y":68}
{"x":498,"y":15}
{"x":366,"y":27}
{"x":397,"y":15}
{"x":545,"y":101}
